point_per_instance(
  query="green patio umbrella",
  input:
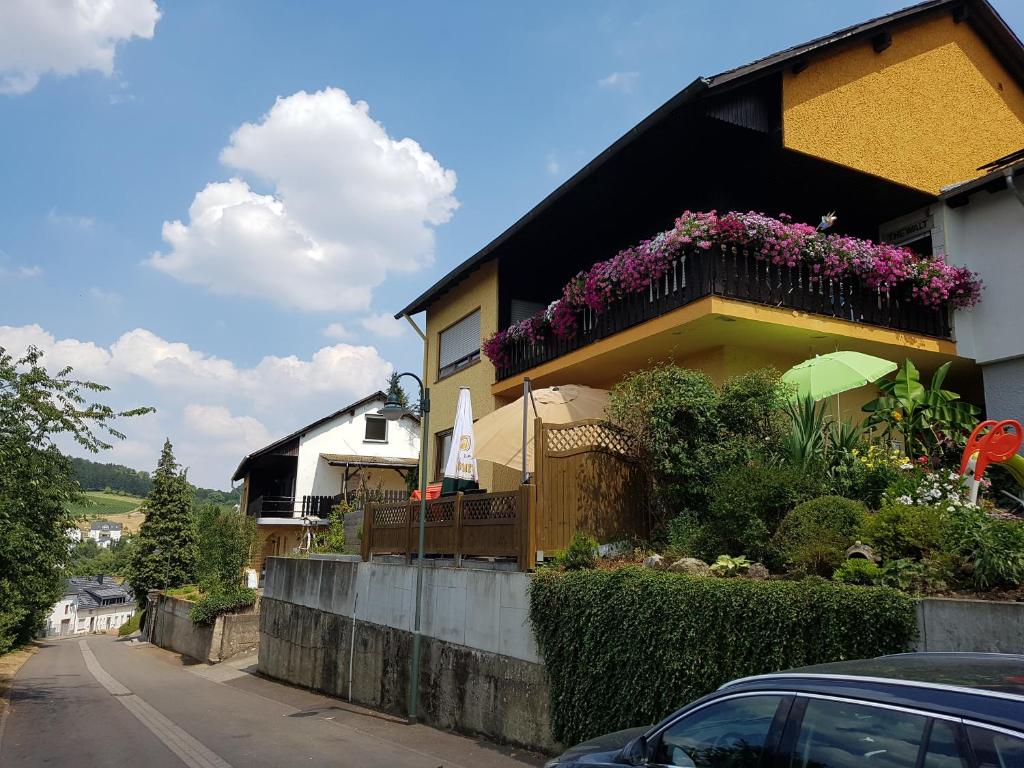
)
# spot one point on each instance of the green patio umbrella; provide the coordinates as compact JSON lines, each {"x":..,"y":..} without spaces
{"x":827,"y":375}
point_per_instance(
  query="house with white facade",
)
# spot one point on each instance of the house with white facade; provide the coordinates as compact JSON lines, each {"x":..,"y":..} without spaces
{"x":984,"y":223}
{"x":104,"y":532}
{"x":291,"y":485}
{"x":90,"y":604}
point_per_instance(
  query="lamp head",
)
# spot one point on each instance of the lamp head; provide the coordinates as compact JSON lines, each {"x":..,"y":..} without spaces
{"x":393,"y":408}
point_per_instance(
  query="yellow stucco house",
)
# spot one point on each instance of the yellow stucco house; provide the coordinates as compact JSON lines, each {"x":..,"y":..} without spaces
{"x":870,"y":121}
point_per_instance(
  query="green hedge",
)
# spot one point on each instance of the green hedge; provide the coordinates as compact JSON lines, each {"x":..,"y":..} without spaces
{"x":227,"y":601}
{"x":628,"y":647}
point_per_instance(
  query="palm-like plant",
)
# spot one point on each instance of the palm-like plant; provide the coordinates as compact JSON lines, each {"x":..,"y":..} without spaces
{"x":922,"y":416}
{"x":806,"y":442}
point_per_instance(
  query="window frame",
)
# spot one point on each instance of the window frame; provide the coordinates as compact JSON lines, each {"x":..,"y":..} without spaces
{"x":439,"y":459}
{"x":367,"y":418}
{"x":467,"y":360}
{"x":773,"y":739}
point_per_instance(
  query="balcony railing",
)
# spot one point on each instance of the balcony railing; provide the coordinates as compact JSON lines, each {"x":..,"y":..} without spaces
{"x":289,"y":506}
{"x":738,"y":275}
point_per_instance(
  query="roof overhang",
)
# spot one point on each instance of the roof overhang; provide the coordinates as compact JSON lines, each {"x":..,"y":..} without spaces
{"x":368,"y":462}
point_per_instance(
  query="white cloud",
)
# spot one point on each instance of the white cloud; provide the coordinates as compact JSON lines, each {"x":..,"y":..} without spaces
{"x":65,"y":37}
{"x":214,"y":410}
{"x":348,"y":204}
{"x":243,"y":434}
{"x":67,"y":220}
{"x":336,"y":331}
{"x":383,"y":325}
{"x":104,"y":297}
{"x":619,"y":81}
{"x":552,"y":165}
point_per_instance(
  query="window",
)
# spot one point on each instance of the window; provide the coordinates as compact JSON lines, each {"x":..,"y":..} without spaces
{"x":836,"y":734}
{"x":729,"y":734}
{"x":376,"y":429}
{"x":996,"y":750}
{"x":943,"y":749}
{"x":442,"y":445}
{"x":459,"y":345}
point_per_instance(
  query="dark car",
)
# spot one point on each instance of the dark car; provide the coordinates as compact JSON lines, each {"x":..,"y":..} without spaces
{"x":913,"y":710}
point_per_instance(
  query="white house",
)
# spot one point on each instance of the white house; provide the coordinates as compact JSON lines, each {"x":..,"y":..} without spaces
{"x":984,"y":222}
{"x":291,"y":485}
{"x":104,"y":532}
{"x":90,"y":605}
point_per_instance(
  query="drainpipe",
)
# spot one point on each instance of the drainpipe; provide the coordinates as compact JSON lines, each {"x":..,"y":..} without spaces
{"x":1012,"y":186}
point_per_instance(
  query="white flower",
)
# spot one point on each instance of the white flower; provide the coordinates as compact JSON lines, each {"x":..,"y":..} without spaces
{"x":905,"y":499}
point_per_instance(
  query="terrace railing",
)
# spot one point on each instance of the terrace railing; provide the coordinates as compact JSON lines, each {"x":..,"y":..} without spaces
{"x":737,"y":274}
{"x":289,"y":506}
{"x":462,"y":525}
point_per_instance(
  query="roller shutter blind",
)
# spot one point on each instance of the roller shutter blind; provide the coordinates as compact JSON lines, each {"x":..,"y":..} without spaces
{"x":460,"y":343}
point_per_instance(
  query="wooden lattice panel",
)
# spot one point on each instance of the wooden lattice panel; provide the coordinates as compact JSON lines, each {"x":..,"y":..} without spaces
{"x":588,"y":435}
{"x":390,"y":514}
{"x":441,"y":511}
{"x":490,"y":507}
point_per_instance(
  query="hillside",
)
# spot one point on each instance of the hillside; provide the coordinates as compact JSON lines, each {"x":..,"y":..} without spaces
{"x":117,"y":478}
{"x":115,"y":508}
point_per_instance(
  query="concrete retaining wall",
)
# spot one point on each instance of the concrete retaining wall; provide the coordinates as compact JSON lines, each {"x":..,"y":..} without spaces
{"x":480,"y":671}
{"x":169,"y":626}
{"x":970,"y":625}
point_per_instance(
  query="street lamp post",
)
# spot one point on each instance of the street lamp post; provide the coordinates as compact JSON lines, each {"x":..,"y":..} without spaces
{"x":393,"y":410}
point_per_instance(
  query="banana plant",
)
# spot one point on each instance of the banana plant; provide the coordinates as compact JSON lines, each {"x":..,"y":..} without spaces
{"x":922,"y":416}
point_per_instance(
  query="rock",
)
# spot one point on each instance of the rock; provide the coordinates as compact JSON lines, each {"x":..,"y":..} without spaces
{"x":757,"y":572}
{"x":691,"y":565}
{"x":655,"y":562}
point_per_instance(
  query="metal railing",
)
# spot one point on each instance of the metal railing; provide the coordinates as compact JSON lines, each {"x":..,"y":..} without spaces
{"x":736,"y":274}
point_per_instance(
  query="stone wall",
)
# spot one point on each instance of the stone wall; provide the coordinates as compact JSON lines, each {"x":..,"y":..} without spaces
{"x":480,"y":671}
{"x":168,"y":625}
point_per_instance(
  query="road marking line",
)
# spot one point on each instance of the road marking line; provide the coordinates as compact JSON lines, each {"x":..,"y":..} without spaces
{"x":189,"y":750}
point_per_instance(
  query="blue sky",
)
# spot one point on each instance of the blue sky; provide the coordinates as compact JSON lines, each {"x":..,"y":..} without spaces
{"x":110,"y":129}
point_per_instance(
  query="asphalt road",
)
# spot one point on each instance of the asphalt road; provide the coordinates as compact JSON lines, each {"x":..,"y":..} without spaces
{"x":102,"y":702}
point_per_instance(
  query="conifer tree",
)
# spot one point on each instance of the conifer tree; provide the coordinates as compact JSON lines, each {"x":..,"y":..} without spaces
{"x":165,"y":555}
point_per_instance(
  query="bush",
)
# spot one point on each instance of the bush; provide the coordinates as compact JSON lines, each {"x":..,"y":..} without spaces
{"x":580,"y":554}
{"x":994,"y":549}
{"x":333,"y":540}
{"x":625,"y":648}
{"x":904,"y":531}
{"x":219,"y":602}
{"x":858,"y":571}
{"x":224,"y":540}
{"x":747,"y":505}
{"x":866,"y":475}
{"x":813,"y":537}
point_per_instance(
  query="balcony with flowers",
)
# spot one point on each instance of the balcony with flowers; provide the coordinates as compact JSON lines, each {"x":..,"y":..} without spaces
{"x":749,"y":257}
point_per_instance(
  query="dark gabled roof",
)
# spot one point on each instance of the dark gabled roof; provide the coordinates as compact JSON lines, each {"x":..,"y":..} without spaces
{"x":104,"y":525}
{"x":348,"y":409}
{"x":90,"y":592}
{"x":978,"y":13}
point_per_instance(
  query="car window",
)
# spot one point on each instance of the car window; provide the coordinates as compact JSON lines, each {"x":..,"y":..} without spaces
{"x":835,"y":734}
{"x":729,"y":734}
{"x":996,"y":750}
{"x":943,"y":749}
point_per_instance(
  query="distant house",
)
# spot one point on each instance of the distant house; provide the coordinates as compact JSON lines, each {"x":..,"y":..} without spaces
{"x":290,"y":486}
{"x":90,"y":604}
{"x":103,"y":532}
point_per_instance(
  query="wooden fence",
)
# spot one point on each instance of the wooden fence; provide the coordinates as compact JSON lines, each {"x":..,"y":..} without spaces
{"x":473,"y":525}
{"x":588,"y":479}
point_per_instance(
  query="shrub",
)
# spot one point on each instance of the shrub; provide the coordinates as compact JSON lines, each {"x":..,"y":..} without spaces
{"x":228,"y":600}
{"x":752,"y":404}
{"x":813,"y":537}
{"x":993,"y":548}
{"x":728,"y":566}
{"x":903,"y":531}
{"x":866,"y":475}
{"x":625,"y":648}
{"x":333,"y":540}
{"x":580,"y":554}
{"x":224,"y":539}
{"x":747,"y":505}
{"x":671,"y":412}
{"x":858,"y":571}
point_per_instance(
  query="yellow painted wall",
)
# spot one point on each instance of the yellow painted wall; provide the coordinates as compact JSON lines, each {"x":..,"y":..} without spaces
{"x":479,"y":290}
{"x":925,"y":112}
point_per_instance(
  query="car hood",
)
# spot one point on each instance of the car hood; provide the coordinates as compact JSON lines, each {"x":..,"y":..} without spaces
{"x":602,"y":749}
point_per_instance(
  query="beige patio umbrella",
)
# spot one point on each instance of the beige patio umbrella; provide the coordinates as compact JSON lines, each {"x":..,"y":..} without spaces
{"x":500,"y":434}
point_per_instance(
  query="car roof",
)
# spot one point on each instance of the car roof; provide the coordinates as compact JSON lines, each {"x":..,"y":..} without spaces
{"x":984,"y":686}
